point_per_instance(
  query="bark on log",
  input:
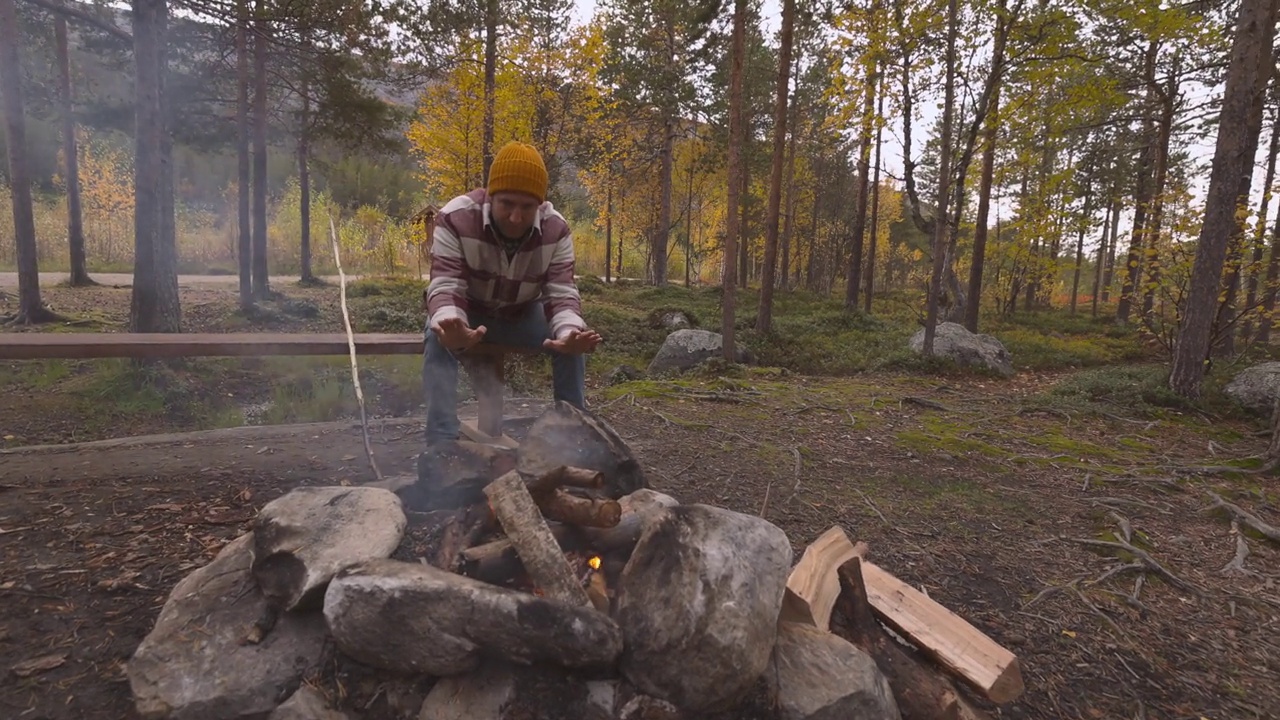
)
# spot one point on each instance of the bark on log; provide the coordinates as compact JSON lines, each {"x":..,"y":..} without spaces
{"x":562,"y":507}
{"x":537,"y":547}
{"x":566,"y":475}
{"x":921,"y":692}
{"x":461,"y":532}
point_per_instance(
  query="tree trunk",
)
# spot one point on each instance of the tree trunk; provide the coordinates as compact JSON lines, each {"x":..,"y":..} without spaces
{"x":1075,"y":279}
{"x":688,"y":225}
{"x":1142,"y":193}
{"x":875,"y":203}
{"x":75,"y":223}
{"x":304,"y":188}
{"x":244,"y":177}
{"x":1102,"y":256}
{"x":764,"y":316}
{"x":1152,"y":243}
{"x":744,"y":247}
{"x":1239,"y":119}
{"x":490,"y":82}
{"x":1222,"y":337}
{"x":154,"y":305}
{"x":30,"y":307}
{"x":977,"y":265}
{"x":728,"y":284}
{"x":608,"y":230}
{"x":941,"y":236}
{"x":662,"y":232}
{"x":853,"y":281}
{"x":1259,"y":236}
{"x":261,"y":282}
{"x":789,"y":223}
{"x":1108,"y":275}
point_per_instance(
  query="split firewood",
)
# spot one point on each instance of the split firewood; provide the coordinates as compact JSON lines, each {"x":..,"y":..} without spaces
{"x":956,"y":645}
{"x":921,"y":693}
{"x":813,"y":586}
{"x":533,"y":541}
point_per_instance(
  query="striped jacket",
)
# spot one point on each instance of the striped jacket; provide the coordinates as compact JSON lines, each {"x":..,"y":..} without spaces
{"x":470,"y":270}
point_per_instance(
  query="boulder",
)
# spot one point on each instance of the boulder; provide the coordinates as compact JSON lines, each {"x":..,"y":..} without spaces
{"x":622,"y":374}
{"x":195,"y":664}
{"x":1256,"y":387}
{"x":501,"y":691}
{"x":698,"y":603}
{"x":816,"y":675}
{"x":954,"y":341}
{"x":568,"y":435}
{"x":301,"y":539}
{"x":686,"y":349}
{"x":452,"y":475}
{"x":415,"y":618}
{"x":306,"y":704}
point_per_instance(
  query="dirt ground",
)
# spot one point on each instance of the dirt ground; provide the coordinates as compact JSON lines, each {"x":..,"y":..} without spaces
{"x":975,"y":490}
{"x":94,"y":538}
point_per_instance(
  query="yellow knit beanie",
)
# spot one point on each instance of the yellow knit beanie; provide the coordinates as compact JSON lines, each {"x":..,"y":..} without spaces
{"x":518,"y":168}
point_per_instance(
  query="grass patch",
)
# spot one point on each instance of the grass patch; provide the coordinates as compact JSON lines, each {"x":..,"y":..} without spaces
{"x":118,"y":393}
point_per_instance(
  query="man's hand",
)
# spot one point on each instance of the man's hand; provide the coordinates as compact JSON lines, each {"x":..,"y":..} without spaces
{"x":576,"y":342}
{"x":454,"y":333}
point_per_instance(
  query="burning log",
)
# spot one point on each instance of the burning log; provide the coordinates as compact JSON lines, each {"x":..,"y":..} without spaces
{"x":461,"y":531}
{"x":498,"y":562}
{"x":532,"y":539}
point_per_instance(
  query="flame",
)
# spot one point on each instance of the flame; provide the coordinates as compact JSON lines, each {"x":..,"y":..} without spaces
{"x":594,"y":562}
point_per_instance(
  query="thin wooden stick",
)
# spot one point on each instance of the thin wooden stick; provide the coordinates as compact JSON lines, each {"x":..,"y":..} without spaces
{"x":351,"y":346}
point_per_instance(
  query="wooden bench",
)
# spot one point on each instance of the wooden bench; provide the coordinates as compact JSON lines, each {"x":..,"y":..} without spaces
{"x":485,"y":363}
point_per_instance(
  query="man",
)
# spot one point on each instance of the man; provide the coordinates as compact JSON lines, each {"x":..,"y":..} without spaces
{"x":502,"y":271}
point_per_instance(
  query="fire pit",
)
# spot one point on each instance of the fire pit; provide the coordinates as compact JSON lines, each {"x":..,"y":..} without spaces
{"x":543,"y":581}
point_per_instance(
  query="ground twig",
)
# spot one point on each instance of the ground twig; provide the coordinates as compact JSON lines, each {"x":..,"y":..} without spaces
{"x":1236,"y":566}
{"x":1263,"y":528}
{"x":1142,"y":559}
{"x":351,"y":346}
{"x":924,"y":403}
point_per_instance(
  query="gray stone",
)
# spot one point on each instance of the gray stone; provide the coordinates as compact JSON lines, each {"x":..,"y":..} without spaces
{"x":306,"y":704}
{"x":686,"y":349}
{"x":415,"y":618}
{"x":622,"y":374}
{"x":954,"y":341}
{"x":303,"y":538}
{"x":674,"y":320}
{"x":195,"y":665}
{"x":568,"y":435}
{"x":816,"y":675}
{"x":698,"y":603}
{"x":1256,"y":388}
{"x":501,"y":691}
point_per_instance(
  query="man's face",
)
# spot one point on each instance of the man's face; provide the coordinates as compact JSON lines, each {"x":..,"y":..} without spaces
{"x":514,"y":212}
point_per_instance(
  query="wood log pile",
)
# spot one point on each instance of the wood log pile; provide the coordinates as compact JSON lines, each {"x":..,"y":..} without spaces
{"x":835,"y":588}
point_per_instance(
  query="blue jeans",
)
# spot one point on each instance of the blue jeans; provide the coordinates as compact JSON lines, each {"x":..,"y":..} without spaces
{"x":440,"y":368}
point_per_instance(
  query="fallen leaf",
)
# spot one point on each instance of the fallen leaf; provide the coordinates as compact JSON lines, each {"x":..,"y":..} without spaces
{"x":348,"y":458}
{"x":245,"y":495}
{"x":28,"y":668}
{"x":171,"y":507}
{"x":1069,"y":633}
{"x":9,"y":438}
